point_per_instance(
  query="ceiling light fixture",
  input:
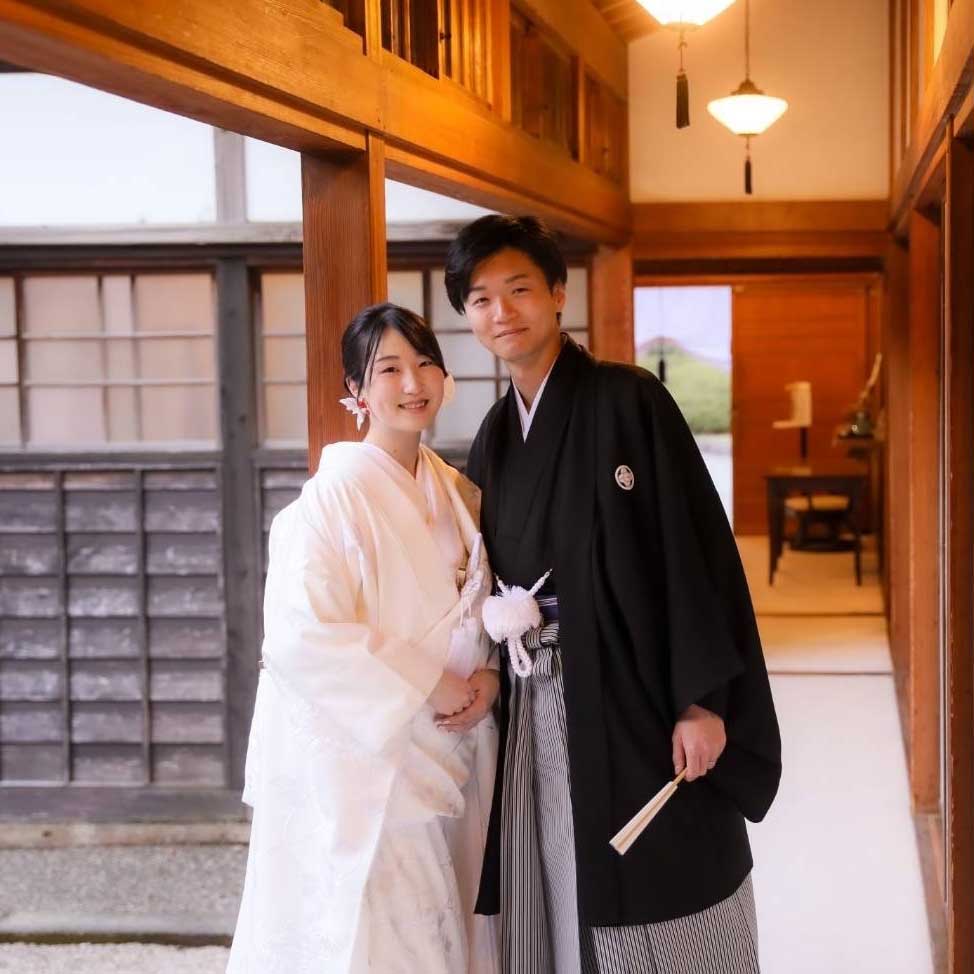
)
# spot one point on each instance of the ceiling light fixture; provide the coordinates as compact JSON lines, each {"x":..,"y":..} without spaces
{"x":748,"y":111}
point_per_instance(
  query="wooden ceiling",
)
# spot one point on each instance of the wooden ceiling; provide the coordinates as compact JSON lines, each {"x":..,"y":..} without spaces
{"x":628,"y":18}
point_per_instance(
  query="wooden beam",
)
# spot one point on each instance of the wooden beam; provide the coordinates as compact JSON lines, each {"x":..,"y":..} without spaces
{"x":83,"y":42}
{"x":418,"y":169}
{"x":924,"y":512}
{"x":830,"y":228}
{"x":959,"y":521}
{"x":760,"y":216}
{"x":344,"y":200}
{"x":611,"y":312}
{"x":288,"y":73}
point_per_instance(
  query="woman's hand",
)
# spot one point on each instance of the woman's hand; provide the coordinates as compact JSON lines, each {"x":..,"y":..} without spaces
{"x":451,"y":695}
{"x":486,"y":685}
{"x":698,"y":741}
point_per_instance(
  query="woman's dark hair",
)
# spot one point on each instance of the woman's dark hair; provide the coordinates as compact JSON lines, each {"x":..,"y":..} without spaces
{"x":361,"y":340}
{"x":485,"y":237}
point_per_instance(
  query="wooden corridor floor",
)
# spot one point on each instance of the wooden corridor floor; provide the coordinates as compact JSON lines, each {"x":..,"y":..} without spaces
{"x":837,"y":879}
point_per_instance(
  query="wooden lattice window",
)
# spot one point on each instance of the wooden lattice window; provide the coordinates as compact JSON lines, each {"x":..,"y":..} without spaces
{"x":606,"y":130}
{"x":89,"y":360}
{"x":466,"y":28}
{"x":481,"y":378}
{"x":411,"y":30}
{"x":543,"y":99}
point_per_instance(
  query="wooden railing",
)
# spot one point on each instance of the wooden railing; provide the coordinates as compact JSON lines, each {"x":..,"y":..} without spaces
{"x":553,"y":95}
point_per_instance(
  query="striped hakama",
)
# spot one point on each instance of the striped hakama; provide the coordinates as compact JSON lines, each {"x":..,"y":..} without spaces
{"x":540,"y":927}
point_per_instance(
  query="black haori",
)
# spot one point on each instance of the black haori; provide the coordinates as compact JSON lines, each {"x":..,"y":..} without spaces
{"x":610,"y":492}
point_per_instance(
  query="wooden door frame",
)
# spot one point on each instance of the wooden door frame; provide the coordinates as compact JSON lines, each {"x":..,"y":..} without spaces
{"x":865,"y":278}
{"x":933,"y":571}
{"x":959,"y":542}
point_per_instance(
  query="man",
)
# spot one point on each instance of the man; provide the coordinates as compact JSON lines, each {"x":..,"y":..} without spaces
{"x":649,"y":661}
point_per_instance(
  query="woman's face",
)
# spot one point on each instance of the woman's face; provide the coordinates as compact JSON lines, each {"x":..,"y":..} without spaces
{"x":405,"y":390}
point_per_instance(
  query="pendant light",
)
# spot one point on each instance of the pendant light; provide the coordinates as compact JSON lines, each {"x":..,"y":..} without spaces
{"x":681,"y":16}
{"x":748,"y":111}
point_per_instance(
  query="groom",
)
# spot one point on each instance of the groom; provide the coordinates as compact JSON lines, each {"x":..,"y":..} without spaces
{"x":648,"y":662}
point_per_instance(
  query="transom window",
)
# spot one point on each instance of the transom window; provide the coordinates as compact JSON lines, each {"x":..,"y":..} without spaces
{"x":481,"y":378}
{"x":95,"y":360}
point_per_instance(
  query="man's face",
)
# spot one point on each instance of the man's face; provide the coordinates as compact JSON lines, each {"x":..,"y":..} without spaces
{"x":511,"y":309}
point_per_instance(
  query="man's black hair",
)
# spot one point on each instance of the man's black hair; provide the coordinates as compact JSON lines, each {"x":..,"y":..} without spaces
{"x":361,"y":340}
{"x":485,"y":237}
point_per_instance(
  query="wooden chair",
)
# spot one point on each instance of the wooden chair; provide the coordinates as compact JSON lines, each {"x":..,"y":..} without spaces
{"x":833,"y":514}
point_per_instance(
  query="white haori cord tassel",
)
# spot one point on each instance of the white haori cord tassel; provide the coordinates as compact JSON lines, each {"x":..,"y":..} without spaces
{"x":509,"y":616}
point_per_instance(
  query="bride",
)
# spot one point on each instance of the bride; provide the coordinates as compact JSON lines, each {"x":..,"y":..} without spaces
{"x":372,"y":750}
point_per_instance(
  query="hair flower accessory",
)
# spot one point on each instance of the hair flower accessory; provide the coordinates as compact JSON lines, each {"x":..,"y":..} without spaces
{"x":449,"y":389}
{"x":356,"y":408}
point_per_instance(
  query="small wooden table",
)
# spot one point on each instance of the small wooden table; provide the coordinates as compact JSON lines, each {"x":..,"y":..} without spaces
{"x":836,"y":477}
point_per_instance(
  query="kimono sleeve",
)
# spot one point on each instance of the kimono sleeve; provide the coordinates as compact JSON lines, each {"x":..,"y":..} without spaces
{"x":715,"y":653}
{"x":365,"y":684}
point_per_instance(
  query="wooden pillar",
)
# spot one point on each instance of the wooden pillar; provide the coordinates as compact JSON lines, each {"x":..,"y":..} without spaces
{"x":896,"y":378}
{"x":924,"y":524}
{"x":344,"y":270}
{"x":242,"y":573}
{"x":611,"y":304}
{"x":959,"y":538}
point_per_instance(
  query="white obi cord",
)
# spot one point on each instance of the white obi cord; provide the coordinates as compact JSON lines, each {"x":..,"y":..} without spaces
{"x":508,"y":617}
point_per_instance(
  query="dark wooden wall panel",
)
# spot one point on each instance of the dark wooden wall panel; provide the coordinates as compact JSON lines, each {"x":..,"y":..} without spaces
{"x":783,"y":333}
{"x":29,"y":638}
{"x":107,"y":764}
{"x":112,"y":626}
{"x":185,"y":638}
{"x":33,"y":762}
{"x":28,"y":554}
{"x":103,"y":638}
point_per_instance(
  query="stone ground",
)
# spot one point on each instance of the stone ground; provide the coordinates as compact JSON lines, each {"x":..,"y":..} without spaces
{"x":165,"y":891}
{"x":111,"y":959}
{"x":136,"y":880}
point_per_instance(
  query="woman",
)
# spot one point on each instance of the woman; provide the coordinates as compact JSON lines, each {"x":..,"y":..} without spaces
{"x":372,"y":751}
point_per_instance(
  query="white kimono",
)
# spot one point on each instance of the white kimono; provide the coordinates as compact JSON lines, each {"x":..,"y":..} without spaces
{"x":369,"y":821}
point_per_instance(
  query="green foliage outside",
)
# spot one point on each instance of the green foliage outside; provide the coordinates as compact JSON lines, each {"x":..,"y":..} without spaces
{"x":701,"y":390}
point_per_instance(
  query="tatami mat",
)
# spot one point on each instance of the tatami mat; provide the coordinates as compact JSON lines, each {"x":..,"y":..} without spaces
{"x":837,"y":875}
{"x":806,"y":581}
{"x":825,"y":644}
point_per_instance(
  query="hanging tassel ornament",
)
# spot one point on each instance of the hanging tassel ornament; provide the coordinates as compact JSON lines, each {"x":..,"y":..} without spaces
{"x":747,"y":111}
{"x":682,"y":90}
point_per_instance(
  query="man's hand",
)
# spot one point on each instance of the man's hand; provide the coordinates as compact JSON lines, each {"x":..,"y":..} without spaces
{"x":452,"y":694}
{"x":698,"y":741}
{"x":486,"y":685}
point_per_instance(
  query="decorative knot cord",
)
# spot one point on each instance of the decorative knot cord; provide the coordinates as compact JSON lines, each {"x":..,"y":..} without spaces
{"x":508,"y":617}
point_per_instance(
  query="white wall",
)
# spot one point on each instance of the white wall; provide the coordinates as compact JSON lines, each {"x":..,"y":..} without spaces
{"x":77,"y":156}
{"x":829,"y":58}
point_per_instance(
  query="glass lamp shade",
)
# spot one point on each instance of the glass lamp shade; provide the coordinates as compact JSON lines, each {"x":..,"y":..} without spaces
{"x":684,"y":14}
{"x":748,"y":111}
